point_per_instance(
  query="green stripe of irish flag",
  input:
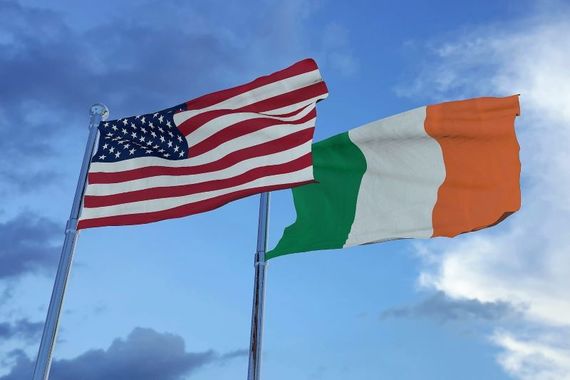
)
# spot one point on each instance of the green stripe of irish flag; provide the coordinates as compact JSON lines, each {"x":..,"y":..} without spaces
{"x":325,"y":211}
{"x":439,"y":170}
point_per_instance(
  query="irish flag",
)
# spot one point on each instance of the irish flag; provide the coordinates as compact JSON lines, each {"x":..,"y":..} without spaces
{"x":439,"y":170}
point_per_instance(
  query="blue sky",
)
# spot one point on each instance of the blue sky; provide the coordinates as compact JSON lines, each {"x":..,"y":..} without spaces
{"x":172,"y":300}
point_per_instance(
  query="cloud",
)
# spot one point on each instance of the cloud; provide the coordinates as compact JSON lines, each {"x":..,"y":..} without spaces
{"x":28,"y":245}
{"x":52,"y":73}
{"x":6,"y":294}
{"x":525,"y":260}
{"x":545,"y":358}
{"x":156,"y":56}
{"x":35,"y":64}
{"x":443,"y":309}
{"x":22,"y":328}
{"x":57,"y":66}
{"x":234,"y":354}
{"x":144,"y":354}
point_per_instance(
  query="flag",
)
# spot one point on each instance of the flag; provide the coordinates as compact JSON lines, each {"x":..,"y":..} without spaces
{"x":206,"y":152}
{"x":439,"y":170}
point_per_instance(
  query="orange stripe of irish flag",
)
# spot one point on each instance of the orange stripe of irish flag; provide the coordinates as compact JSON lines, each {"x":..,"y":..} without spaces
{"x":480,"y":152}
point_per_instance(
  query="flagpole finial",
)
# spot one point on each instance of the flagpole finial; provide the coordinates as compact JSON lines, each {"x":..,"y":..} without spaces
{"x":100,"y":109}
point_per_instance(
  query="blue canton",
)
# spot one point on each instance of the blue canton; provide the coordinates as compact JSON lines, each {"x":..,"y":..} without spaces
{"x":150,"y":135}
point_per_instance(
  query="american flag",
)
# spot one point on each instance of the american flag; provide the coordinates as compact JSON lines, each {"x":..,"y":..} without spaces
{"x":206,"y":152}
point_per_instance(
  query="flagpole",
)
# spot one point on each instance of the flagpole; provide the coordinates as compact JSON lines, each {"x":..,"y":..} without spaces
{"x":97,"y":113}
{"x":254,"y":369}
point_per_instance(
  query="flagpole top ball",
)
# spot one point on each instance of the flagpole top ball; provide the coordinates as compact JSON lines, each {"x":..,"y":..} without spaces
{"x":100,"y":109}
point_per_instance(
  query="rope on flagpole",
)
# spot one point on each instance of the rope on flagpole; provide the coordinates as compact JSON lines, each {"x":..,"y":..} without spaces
{"x":97,"y":114}
{"x":254,"y":368}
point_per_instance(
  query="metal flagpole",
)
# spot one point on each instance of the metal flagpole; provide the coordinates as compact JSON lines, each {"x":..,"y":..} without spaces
{"x":97,"y":113}
{"x":254,"y":368}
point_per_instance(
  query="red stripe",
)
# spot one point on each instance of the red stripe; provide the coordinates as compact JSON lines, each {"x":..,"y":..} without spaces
{"x":287,"y":99}
{"x":270,"y":147}
{"x":292,"y":113}
{"x":91,"y":201}
{"x":181,"y":211}
{"x":208,"y":100}
{"x":283,"y":100}
{"x":240,"y":129}
{"x":190,"y":125}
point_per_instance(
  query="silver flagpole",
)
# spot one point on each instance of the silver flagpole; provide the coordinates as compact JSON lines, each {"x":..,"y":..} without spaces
{"x":254,"y":369}
{"x":97,"y":113}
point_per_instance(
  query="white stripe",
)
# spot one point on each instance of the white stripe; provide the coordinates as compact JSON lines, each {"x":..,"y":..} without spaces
{"x":257,"y":94}
{"x":405,"y":169}
{"x":258,"y":137}
{"x":142,"y":207}
{"x":293,"y":107}
{"x":169,"y":181}
{"x":224,"y":121}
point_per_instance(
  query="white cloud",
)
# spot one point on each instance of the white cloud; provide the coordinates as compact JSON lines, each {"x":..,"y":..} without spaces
{"x":531,"y":360}
{"x":527,"y":259}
